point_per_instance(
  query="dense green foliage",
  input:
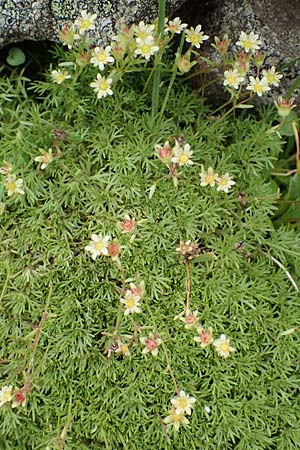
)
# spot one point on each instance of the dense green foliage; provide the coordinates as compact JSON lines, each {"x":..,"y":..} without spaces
{"x":81,"y":399}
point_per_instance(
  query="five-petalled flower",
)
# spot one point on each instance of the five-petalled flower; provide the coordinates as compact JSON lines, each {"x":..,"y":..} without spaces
{"x":146,"y":47}
{"x":86,"y":22}
{"x":98,"y":245}
{"x":101,"y":56}
{"x":175,"y":26}
{"x":258,"y":85}
{"x":233,"y":78}
{"x":224,"y":182}
{"x":13,"y":185}
{"x":249,"y":42}
{"x":183,"y":403}
{"x":273,"y":78}
{"x":182,"y":155}
{"x":175,"y":420}
{"x":102,"y":86}
{"x":195,"y":36}
{"x":222,"y":345}
{"x":131,"y":302}
{"x":208,"y":177}
{"x":59,"y":76}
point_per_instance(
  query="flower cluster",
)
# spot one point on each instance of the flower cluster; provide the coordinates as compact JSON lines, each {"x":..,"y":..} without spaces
{"x":103,"y":245}
{"x":205,"y":335}
{"x":235,"y":77}
{"x":181,"y":404}
{"x":210,"y":178}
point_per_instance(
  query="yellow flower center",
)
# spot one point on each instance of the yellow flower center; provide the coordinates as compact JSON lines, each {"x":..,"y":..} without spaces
{"x":183,"y":159}
{"x":142,"y":34}
{"x":247,"y":44}
{"x":124,"y":348}
{"x":224,"y":347}
{"x":11,"y":186}
{"x":223,"y":182}
{"x":231,"y":79}
{"x":146,"y":49}
{"x":6,"y":396}
{"x":176,"y":417}
{"x":270,"y":78}
{"x":99,"y":246}
{"x":194,"y":38}
{"x":258,"y":88}
{"x":85,"y":24}
{"x":101,"y":57}
{"x":209,"y":178}
{"x":182,"y":403}
{"x":103,"y":85}
{"x":130,"y":302}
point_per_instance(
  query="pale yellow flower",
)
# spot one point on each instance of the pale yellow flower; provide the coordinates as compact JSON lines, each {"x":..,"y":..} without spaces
{"x":258,"y":86}
{"x":195,"y":36}
{"x":232,"y":78}
{"x":131,"y":302}
{"x":175,"y":26}
{"x":249,"y":42}
{"x":59,"y":76}
{"x":86,"y":22}
{"x":222,"y":345}
{"x":101,"y":56}
{"x":13,"y":185}
{"x":5,"y":395}
{"x":182,"y":156}
{"x":102,"y":86}
{"x":175,"y":419}
{"x":183,"y":403}
{"x":146,"y":47}
{"x":272,"y":77}
{"x":46,"y":158}
{"x":208,"y":178}
{"x":98,"y":245}
{"x":143,"y":31}
{"x":224,"y":182}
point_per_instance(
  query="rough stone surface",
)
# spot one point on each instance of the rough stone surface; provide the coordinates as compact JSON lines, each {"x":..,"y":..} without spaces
{"x":40,"y":20}
{"x":277,"y":22}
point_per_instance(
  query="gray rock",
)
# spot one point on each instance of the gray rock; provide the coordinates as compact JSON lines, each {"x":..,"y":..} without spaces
{"x":277,"y":22}
{"x":40,"y":20}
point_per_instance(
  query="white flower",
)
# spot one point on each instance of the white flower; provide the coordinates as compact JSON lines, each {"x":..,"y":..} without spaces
{"x":258,"y":86}
{"x":46,"y":158}
{"x":98,"y":245}
{"x":272,"y":77}
{"x":182,"y":156}
{"x":175,"y":419}
{"x":102,"y":86}
{"x":183,"y":403}
{"x":59,"y":76}
{"x":143,"y":31}
{"x":208,"y":178}
{"x":232,"y":78}
{"x":5,"y":395}
{"x":86,"y":22}
{"x":249,"y":42}
{"x":146,"y":47}
{"x":224,"y":182}
{"x":222,"y":346}
{"x":13,"y":186}
{"x":101,"y":56}
{"x":131,"y":302}
{"x":175,"y":26}
{"x":195,"y":36}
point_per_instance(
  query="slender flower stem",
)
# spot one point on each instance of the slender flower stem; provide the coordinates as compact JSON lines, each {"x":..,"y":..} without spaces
{"x":187,"y":287}
{"x":156,"y":79}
